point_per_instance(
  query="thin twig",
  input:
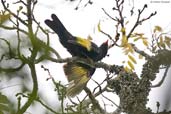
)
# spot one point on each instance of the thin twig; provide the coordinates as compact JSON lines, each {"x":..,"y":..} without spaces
{"x":46,"y":106}
{"x":110,"y":101}
{"x":13,"y":14}
{"x":9,"y":86}
{"x":110,"y":37}
{"x":138,"y":21}
{"x":13,"y":28}
{"x":12,"y":69}
{"x":119,"y":8}
{"x":108,"y":14}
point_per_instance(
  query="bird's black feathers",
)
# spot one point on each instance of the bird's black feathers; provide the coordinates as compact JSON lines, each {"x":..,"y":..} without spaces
{"x":78,"y":74}
{"x":75,"y":45}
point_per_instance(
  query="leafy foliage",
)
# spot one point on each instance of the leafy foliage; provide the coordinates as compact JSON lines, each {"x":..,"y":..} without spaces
{"x":4,"y":17}
{"x":4,"y":104}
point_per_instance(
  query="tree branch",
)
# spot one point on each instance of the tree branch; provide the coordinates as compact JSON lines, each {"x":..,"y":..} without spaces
{"x":31,"y":61}
{"x":141,"y":52}
{"x":33,"y":95}
{"x":12,"y":69}
{"x":46,"y":106}
{"x":108,"y":15}
{"x":119,"y":8}
{"x":163,"y":78}
{"x":95,"y":103}
{"x":138,"y":21}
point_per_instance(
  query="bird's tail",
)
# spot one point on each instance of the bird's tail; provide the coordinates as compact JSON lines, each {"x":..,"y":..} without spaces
{"x":56,"y":25}
{"x":78,"y":76}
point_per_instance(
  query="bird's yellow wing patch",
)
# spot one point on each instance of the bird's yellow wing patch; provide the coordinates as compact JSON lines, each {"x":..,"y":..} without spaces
{"x":77,"y":85}
{"x":84,"y":42}
{"x":77,"y":76}
{"x":74,"y":71}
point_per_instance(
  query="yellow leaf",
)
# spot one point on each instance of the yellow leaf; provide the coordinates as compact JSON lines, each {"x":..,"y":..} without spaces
{"x":145,"y":42}
{"x":132,"y":59}
{"x":126,"y":22}
{"x":130,"y":48}
{"x":163,"y":46}
{"x":139,"y":34}
{"x":157,"y":28}
{"x":161,"y":40}
{"x":98,"y":27}
{"x":168,"y":41}
{"x":4,"y":17}
{"x":126,"y":51}
{"x":133,"y":36}
{"x":167,"y":38}
{"x":131,"y":65}
{"x":136,"y":39}
{"x":124,"y":40}
{"x":89,"y":38}
{"x":140,"y":56}
{"x":161,"y":43}
{"x":127,"y":69}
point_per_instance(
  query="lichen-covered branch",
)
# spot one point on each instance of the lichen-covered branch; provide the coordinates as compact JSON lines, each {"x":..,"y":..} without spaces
{"x":163,"y":78}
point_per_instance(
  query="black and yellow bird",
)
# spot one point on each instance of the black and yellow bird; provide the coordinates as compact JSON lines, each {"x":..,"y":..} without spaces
{"x":78,"y":74}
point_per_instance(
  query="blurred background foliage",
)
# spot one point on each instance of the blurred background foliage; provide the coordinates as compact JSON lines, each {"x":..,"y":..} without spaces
{"x":20,"y":45}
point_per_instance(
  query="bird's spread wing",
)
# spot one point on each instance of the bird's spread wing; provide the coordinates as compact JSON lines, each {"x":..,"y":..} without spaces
{"x":77,"y":76}
{"x":76,"y":86}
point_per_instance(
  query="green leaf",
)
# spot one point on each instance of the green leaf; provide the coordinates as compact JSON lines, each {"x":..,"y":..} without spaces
{"x":3,"y":103}
{"x":1,"y":112}
{"x":3,"y":99}
{"x":4,"y":107}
